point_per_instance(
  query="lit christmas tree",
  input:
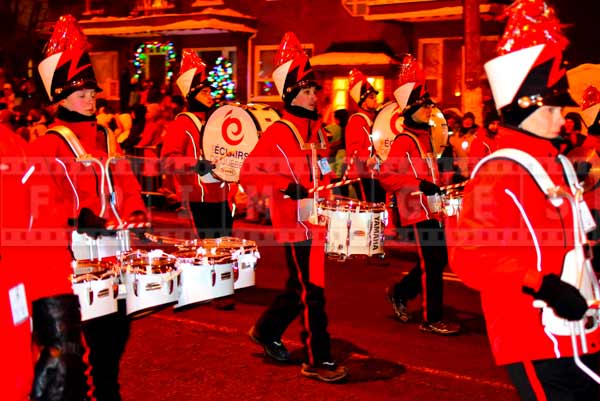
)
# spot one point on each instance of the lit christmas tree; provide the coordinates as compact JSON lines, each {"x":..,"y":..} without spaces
{"x":221,"y":81}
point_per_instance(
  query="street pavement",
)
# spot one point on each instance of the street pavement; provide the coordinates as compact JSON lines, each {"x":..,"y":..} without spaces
{"x":203,"y":353}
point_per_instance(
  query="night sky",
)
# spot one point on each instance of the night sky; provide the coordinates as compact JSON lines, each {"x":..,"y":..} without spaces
{"x":583,"y":30}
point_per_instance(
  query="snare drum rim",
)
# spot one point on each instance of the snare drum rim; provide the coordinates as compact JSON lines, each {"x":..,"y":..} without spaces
{"x":351,"y":206}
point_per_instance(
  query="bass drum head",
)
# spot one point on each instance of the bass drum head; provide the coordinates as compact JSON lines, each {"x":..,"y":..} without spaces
{"x":263,"y":115}
{"x":228,"y":136}
{"x":439,"y":131}
{"x":387,"y":124}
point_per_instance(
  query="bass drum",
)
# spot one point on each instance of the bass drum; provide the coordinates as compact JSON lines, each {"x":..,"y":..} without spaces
{"x":230,"y":134}
{"x":387,"y":124}
{"x":439,"y":131}
{"x":263,"y":115}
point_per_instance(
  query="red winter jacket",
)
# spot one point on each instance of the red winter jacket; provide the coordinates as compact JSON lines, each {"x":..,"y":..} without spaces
{"x":357,"y":141}
{"x":179,"y":154}
{"x":85,"y":178}
{"x":276,"y":161}
{"x":492,"y":249}
{"x":411,"y":158}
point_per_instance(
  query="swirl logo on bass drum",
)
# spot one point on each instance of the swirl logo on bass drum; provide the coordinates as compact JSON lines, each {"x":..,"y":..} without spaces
{"x":394,"y":122}
{"x":232,"y":129}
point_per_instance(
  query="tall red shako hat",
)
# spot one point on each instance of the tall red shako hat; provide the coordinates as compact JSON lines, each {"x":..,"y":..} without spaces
{"x":590,"y":105}
{"x":528,"y":72}
{"x":292,"y":68}
{"x":359,"y":86}
{"x":411,"y":84}
{"x":192,"y":74}
{"x":67,"y":67}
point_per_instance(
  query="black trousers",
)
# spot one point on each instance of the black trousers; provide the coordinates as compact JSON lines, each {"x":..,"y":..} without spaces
{"x":212,"y":219}
{"x":300,"y":297}
{"x":555,"y":379}
{"x":374,"y":192}
{"x":106,"y":337}
{"x":426,"y":277}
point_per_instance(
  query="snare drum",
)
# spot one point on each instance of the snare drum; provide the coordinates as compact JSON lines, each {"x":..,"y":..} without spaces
{"x":151,"y":280}
{"x":85,"y":247}
{"x":452,"y":204}
{"x":205,"y":274}
{"x":445,"y":205}
{"x":354,"y":227}
{"x":94,"y":282}
{"x":244,"y":255}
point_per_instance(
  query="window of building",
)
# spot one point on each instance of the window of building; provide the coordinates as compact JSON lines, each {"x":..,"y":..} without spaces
{"x":148,"y":7}
{"x":340,"y":96}
{"x":443,"y":66}
{"x":94,"y":7}
{"x":210,"y":55}
{"x":264,"y":58}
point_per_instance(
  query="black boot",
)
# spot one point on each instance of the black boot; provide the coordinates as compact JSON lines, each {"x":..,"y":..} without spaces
{"x":60,"y":369}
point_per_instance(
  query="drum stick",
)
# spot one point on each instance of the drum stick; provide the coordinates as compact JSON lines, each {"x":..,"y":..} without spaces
{"x":446,"y":188}
{"x":128,"y":226}
{"x":350,"y":165}
{"x":333,"y":185}
{"x":345,"y":177}
{"x":326,"y":187}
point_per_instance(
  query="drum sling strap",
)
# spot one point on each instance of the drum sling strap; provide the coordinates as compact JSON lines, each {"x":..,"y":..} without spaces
{"x":422,"y":153}
{"x":314,"y":169}
{"x":198,"y":124}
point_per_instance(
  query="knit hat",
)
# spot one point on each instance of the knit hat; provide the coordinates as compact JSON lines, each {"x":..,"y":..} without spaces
{"x":192,"y":74}
{"x":293,"y":71}
{"x":67,"y":67}
{"x":527,"y":73}
{"x":359,"y":86}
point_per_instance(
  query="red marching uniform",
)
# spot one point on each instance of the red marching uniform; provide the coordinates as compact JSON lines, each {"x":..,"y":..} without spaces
{"x":410,"y":160}
{"x":86,"y":179}
{"x":358,"y":143}
{"x":478,"y":250}
{"x":276,"y":161}
{"x":25,"y":275}
{"x":180,"y":153}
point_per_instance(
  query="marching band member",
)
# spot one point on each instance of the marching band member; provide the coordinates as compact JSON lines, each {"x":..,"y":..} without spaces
{"x":411,"y":166}
{"x":70,"y":82}
{"x":283,"y":165}
{"x":359,"y":145}
{"x":182,"y":155}
{"x":590,"y":150}
{"x":205,"y":197}
{"x":53,"y":367}
{"x":512,"y":242}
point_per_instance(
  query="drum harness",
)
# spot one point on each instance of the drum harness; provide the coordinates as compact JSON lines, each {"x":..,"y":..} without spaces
{"x":313,"y":147}
{"x":197,"y":151}
{"x":577,"y":269}
{"x":430,"y":160}
{"x":87,"y":159}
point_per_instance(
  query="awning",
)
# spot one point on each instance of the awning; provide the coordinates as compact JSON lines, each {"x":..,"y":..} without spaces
{"x":208,"y":21}
{"x":351,"y":59}
{"x":187,"y":27}
{"x":429,"y":14}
